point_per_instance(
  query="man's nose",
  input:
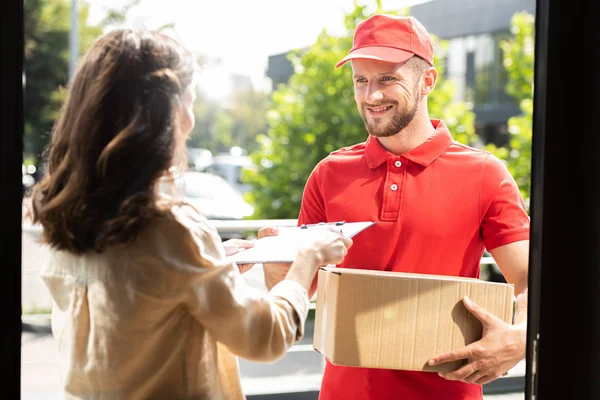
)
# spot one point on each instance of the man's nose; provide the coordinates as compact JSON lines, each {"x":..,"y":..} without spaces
{"x":373,"y":95}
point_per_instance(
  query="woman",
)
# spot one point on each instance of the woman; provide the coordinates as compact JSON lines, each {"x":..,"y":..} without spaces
{"x":145,"y":304}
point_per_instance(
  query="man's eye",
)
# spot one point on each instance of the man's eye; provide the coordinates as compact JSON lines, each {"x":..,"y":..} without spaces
{"x":361,"y":80}
{"x":387,"y":78}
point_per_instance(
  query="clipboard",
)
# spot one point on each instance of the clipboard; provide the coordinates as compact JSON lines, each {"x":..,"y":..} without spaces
{"x":284,"y":247}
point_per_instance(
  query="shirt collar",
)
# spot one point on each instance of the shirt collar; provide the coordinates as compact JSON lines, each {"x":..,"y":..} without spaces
{"x":424,"y":154}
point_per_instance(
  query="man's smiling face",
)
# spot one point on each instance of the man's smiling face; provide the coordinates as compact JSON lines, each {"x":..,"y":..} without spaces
{"x":387,"y":95}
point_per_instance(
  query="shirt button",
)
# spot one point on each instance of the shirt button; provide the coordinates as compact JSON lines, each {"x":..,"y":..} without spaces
{"x":394,"y":187}
{"x":398,"y":163}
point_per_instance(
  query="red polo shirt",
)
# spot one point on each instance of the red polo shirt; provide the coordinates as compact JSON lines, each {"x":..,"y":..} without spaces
{"x":436,"y":208}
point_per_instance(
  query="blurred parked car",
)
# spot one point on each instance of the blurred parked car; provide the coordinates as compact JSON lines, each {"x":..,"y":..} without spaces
{"x":229,"y":167}
{"x":214,"y":197}
{"x":198,"y":158}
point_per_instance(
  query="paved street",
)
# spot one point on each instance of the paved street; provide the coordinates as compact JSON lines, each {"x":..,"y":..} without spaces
{"x":34,"y":295}
{"x":297,"y":371}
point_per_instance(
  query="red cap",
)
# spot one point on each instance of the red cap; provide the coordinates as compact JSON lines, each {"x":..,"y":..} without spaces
{"x":390,"y":38}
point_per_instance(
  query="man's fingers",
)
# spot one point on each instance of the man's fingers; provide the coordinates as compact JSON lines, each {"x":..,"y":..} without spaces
{"x":455,"y":355}
{"x":277,"y":265}
{"x":267,"y":231}
{"x":474,"y":377}
{"x":460,"y":374}
{"x":483,"y":315}
{"x":485,"y":379}
{"x":244,"y":267}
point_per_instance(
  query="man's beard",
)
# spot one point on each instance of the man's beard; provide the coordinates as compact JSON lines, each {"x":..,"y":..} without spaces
{"x":399,"y":121}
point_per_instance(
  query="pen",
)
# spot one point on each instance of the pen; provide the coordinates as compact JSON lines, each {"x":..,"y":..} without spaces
{"x":338,"y":223}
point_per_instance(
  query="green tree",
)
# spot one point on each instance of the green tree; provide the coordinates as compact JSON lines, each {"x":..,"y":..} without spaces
{"x":47,"y":24}
{"x":115,"y":17}
{"x":235,"y":122}
{"x":519,"y":63}
{"x":204,"y":133}
{"x":248,"y":109}
{"x":315,"y":113}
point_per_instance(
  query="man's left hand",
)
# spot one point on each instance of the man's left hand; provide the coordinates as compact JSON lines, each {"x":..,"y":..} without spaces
{"x":500,"y":348}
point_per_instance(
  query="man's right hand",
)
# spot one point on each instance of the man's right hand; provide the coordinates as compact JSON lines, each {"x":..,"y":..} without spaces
{"x":273,"y":272}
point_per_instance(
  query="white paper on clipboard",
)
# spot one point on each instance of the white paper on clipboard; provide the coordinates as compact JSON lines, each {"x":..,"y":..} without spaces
{"x":284,"y":247}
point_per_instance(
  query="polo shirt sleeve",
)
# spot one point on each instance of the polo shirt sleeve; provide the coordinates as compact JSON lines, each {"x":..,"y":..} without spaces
{"x":312,"y":209}
{"x":504,"y":217}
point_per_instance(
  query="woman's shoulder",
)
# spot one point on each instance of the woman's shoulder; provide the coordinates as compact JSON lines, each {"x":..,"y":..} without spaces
{"x":182,"y":229}
{"x":182,"y":213}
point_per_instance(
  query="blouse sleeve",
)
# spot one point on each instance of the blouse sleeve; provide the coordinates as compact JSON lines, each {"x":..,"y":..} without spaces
{"x":253,"y":324}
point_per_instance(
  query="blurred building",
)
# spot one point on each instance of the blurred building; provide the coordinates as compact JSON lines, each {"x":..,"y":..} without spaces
{"x":279,"y":69}
{"x":241,"y":82}
{"x":473,"y":29}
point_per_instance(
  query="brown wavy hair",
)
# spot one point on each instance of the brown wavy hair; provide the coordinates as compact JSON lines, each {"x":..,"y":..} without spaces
{"x":117,"y":135}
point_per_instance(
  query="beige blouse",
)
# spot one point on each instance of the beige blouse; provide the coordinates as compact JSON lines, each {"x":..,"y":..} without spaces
{"x":165,"y":317}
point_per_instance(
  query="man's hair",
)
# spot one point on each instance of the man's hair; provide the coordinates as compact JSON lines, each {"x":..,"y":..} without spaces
{"x":417,"y":65}
{"x":115,"y":138}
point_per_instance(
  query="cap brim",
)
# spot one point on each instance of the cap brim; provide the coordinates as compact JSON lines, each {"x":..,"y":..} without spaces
{"x":387,"y":54}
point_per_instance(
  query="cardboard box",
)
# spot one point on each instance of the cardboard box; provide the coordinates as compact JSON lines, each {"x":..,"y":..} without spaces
{"x":392,"y":320}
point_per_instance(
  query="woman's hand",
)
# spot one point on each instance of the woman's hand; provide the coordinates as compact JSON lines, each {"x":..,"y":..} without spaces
{"x":325,"y":246}
{"x":234,"y":246}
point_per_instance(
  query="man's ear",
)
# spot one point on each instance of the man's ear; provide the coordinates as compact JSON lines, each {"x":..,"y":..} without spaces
{"x":429,"y":80}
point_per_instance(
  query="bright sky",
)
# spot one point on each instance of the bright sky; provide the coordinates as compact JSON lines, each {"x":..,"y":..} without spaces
{"x":242,"y":33}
